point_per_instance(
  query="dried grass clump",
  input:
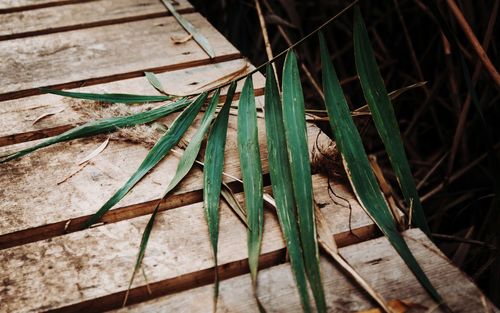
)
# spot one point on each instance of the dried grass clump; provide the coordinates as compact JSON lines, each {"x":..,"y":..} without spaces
{"x":326,"y":159}
{"x":146,"y":135}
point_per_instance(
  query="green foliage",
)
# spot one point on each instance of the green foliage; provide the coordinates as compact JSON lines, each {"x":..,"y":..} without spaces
{"x":359,"y":170}
{"x":103,"y":126}
{"x":212,"y":176}
{"x":281,"y":180}
{"x":300,"y":168}
{"x":155,"y":155}
{"x":251,"y":169}
{"x":108,"y":97}
{"x":385,"y":119}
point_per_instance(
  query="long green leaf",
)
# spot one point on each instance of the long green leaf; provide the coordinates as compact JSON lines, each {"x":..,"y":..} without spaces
{"x":185,"y":164}
{"x":385,"y":119}
{"x":212,"y":177}
{"x":248,"y":148}
{"x":198,"y":37}
{"x":103,"y":126}
{"x":281,"y":180}
{"x":154,"y":81}
{"x":358,"y":168}
{"x":155,"y":155}
{"x":298,"y":155}
{"x":107,"y":97}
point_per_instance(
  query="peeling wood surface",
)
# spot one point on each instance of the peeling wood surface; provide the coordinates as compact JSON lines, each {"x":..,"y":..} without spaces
{"x":97,"y":262}
{"x":102,"y":54}
{"x":375,"y":260}
{"x":17,"y":115}
{"x":83,"y":15}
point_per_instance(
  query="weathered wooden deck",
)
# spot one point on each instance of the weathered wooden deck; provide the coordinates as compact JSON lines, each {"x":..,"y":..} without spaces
{"x":48,"y":263}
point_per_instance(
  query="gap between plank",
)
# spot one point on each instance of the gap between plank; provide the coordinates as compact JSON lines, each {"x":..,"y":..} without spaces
{"x":109,"y":78}
{"x":119,"y":214}
{"x":93,"y":24}
{"x":54,"y":131}
{"x":201,"y":278}
{"x":42,"y":5}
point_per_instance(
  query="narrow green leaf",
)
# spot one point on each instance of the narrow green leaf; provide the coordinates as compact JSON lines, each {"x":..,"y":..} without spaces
{"x":248,"y":148}
{"x":103,"y":126}
{"x":212,"y":177}
{"x":107,"y":97}
{"x":155,"y":155}
{"x":385,"y":119}
{"x":197,"y":36}
{"x":185,"y":164}
{"x":358,"y":168}
{"x":298,"y":155}
{"x":154,"y":81}
{"x":281,"y":180}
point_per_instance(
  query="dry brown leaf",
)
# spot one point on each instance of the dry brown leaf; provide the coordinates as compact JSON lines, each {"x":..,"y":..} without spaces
{"x":94,"y":153}
{"x":180,"y":40}
{"x":45,"y":115}
{"x":397,"y":306}
{"x":226,"y":78}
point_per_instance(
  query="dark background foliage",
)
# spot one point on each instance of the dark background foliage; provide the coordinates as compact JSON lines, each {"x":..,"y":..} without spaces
{"x":459,"y":196}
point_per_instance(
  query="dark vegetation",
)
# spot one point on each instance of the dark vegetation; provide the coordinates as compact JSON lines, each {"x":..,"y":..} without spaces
{"x":452,"y":150}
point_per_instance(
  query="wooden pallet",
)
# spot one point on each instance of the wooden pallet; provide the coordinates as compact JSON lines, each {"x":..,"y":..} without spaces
{"x":48,"y":263}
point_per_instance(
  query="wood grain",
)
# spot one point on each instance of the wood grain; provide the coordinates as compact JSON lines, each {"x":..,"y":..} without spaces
{"x":103,"y":54}
{"x":89,"y":270}
{"x":17,"y":115}
{"x":375,"y":260}
{"x":8,"y":6}
{"x":82,"y":15}
{"x":37,"y":205}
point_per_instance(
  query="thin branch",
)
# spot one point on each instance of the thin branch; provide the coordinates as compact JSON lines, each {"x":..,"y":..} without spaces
{"x":311,"y":78}
{"x":490,"y":68}
{"x":269,"y":50}
{"x":282,"y":53}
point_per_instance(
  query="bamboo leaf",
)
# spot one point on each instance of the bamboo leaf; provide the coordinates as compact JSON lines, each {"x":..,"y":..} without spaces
{"x":358,"y":168}
{"x":185,"y":164}
{"x":249,"y":154}
{"x":107,"y":97}
{"x":384,"y":118}
{"x":155,"y":155}
{"x":298,"y":155}
{"x":212,"y":177}
{"x":198,"y":37}
{"x":103,"y":126}
{"x":155,"y":82}
{"x":281,"y":180}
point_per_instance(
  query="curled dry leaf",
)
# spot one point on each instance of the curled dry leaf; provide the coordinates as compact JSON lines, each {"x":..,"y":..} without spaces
{"x":180,"y":40}
{"x":47,"y":114}
{"x":94,"y":153}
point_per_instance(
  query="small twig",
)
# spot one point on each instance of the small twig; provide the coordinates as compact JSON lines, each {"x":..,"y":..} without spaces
{"x":282,"y":53}
{"x":465,"y":108}
{"x":267,"y":44}
{"x":490,"y":68}
{"x":464,"y":240}
{"x":282,"y":32}
{"x":457,"y":175}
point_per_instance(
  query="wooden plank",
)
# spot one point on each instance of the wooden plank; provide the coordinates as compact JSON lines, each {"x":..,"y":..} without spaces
{"x":375,"y":260}
{"x":82,"y":15}
{"x":34,"y":181}
{"x":8,"y":6}
{"x":103,"y":54}
{"x":89,"y":270}
{"x":17,"y":115}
